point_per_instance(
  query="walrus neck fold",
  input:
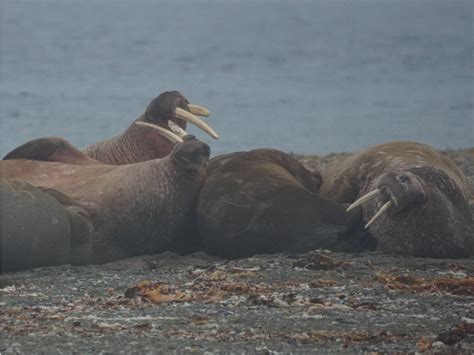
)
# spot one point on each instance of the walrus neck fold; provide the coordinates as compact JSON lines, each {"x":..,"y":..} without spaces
{"x":136,"y":144}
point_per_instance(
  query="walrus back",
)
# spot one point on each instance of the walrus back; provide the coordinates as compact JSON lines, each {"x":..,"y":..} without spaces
{"x":343,"y":182}
{"x":264,"y":201}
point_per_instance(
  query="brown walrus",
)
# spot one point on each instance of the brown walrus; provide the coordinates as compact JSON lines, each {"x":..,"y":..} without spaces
{"x":168,"y":114}
{"x":134,"y":209}
{"x":40,"y":227}
{"x":414,"y":199}
{"x":264,"y":201}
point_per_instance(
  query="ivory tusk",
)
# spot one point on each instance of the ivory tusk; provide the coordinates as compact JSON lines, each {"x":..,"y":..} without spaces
{"x":174,"y":138}
{"x":189,"y":117}
{"x":199,"y":110}
{"x":381,"y":211}
{"x":176,"y":129}
{"x":367,"y":197}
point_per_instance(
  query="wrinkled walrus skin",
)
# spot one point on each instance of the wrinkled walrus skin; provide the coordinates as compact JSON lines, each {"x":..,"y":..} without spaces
{"x":264,"y":201}
{"x":134,"y":209}
{"x":424,"y":193}
{"x":142,"y":143}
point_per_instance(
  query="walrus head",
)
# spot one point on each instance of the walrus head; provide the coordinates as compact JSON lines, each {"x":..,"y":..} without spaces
{"x":420,"y":211}
{"x":154,"y":133}
{"x":170,"y":112}
{"x":397,"y":192}
{"x":403,"y":189}
{"x":191,"y":154}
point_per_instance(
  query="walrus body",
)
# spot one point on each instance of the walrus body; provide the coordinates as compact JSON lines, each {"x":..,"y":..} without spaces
{"x":423,"y":197}
{"x":169,"y":112}
{"x":264,"y":201}
{"x":36,"y":229}
{"x":135,"y":209}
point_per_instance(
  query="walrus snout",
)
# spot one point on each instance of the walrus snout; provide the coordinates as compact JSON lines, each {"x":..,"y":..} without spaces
{"x":396,"y":192}
{"x":404,"y":189}
{"x":191,"y":153}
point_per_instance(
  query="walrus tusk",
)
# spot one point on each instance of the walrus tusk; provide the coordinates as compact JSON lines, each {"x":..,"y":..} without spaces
{"x":199,"y":110}
{"x":189,"y":117}
{"x":381,"y":211}
{"x":176,"y":129}
{"x":174,"y":138}
{"x":367,"y":197}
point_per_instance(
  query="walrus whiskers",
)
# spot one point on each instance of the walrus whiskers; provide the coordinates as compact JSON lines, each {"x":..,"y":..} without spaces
{"x":199,"y":110}
{"x":189,"y":117}
{"x":381,"y":211}
{"x":173,"y":137}
{"x":367,"y":197}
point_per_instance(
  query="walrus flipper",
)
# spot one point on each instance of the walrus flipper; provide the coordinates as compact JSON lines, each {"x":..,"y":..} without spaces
{"x":54,"y":149}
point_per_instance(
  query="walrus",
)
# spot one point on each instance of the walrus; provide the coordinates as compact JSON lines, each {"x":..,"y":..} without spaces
{"x":414,"y":199}
{"x":154,"y":133}
{"x":134,"y":209}
{"x":40,"y":227}
{"x":265,"y":201}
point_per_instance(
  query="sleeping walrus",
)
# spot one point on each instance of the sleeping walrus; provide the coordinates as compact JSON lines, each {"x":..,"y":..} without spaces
{"x":414,"y":199}
{"x":264,"y":201}
{"x":133,"y":209}
{"x":153,"y":134}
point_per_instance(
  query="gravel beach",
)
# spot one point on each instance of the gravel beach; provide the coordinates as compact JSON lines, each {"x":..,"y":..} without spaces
{"x":315,"y":302}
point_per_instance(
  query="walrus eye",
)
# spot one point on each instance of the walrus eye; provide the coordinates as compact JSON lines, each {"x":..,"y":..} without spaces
{"x":402,"y":178}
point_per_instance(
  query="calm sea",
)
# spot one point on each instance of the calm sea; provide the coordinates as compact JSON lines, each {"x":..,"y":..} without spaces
{"x":301,"y":76}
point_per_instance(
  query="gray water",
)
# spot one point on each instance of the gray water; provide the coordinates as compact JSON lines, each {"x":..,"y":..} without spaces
{"x":302,"y":76}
